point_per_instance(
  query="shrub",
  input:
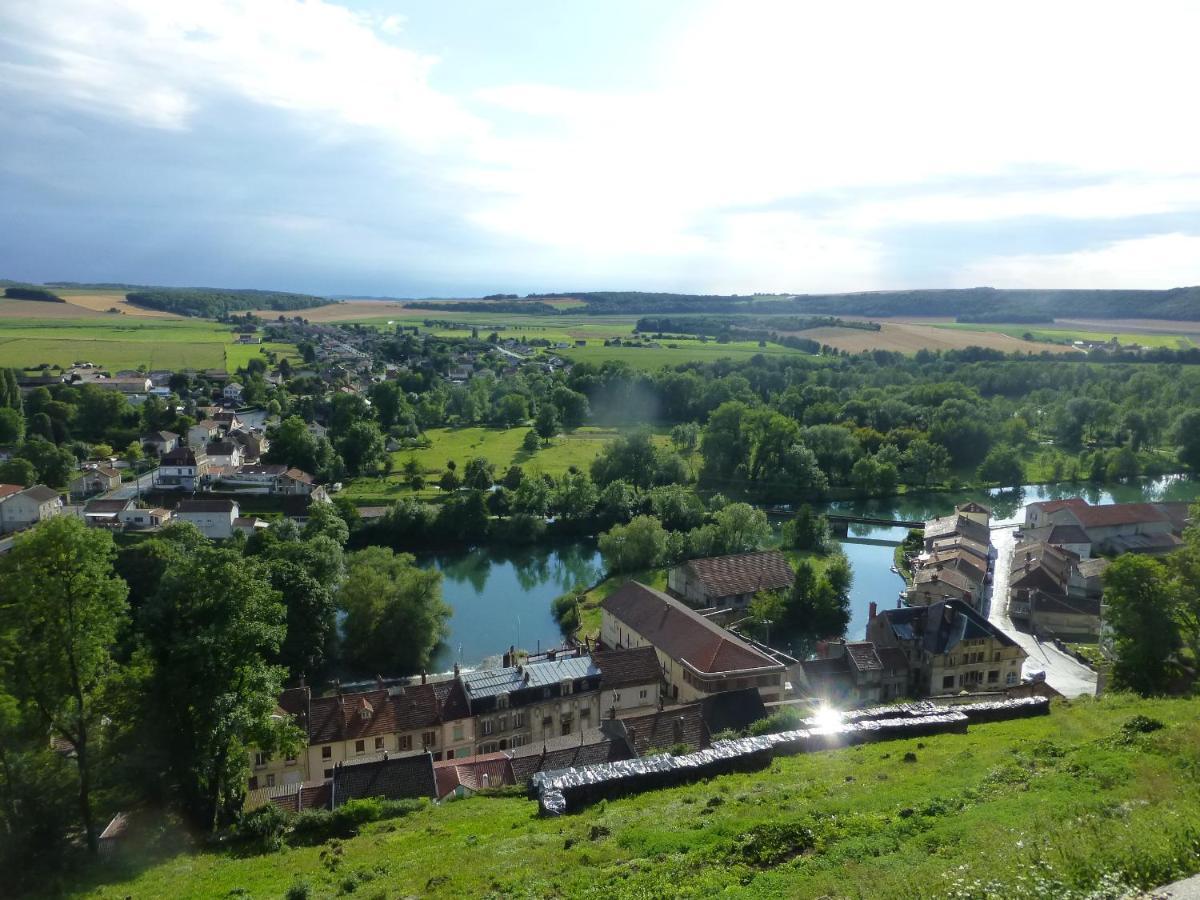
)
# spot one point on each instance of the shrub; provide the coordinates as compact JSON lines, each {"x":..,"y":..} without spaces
{"x":301,"y":890}
{"x":262,"y":828}
{"x":787,"y":719}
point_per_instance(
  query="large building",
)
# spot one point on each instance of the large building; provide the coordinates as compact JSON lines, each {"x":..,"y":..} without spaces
{"x":1116,"y":527}
{"x":729,"y":581}
{"x":697,"y":657}
{"x":22,"y":508}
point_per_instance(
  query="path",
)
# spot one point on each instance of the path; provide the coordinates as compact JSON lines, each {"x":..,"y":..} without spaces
{"x":1063,"y":673}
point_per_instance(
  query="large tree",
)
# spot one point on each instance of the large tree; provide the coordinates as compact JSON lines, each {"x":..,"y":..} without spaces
{"x":210,"y":631}
{"x":395,"y":616}
{"x":62,"y":608}
{"x":1138,"y":597}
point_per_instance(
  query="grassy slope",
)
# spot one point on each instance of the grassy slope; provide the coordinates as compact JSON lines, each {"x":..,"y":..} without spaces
{"x":1022,"y":809}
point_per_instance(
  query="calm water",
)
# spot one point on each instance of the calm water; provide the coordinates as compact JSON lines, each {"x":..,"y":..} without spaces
{"x":502,"y":597}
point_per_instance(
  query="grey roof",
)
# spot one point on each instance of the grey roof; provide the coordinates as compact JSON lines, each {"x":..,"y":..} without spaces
{"x":492,"y":682}
{"x":39,"y":493}
{"x":941,"y":626}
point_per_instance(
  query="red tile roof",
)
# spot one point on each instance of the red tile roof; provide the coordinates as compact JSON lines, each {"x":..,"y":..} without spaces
{"x":7,"y":490}
{"x":624,"y":668}
{"x":742,"y":573}
{"x":1055,"y":505}
{"x":474,"y":773}
{"x":1118,"y":514}
{"x":372,"y":713}
{"x":682,"y":633}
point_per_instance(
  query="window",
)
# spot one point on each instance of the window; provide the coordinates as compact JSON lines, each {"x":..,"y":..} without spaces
{"x":617,"y":696}
{"x":253,"y":785}
{"x":378,"y":743}
{"x":993,"y":676}
{"x":1010,"y":678}
{"x":948,"y":681}
{"x":405,"y":742}
{"x":270,"y":781}
{"x":566,"y":725}
{"x":458,"y":732}
{"x":329,"y":773}
{"x":502,"y":723}
{"x":260,"y":760}
{"x":502,"y":701}
{"x":429,"y":739}
{"x":519,"y":719}
{"x":566,"y":686}
{"x":326,"y":752}
{"x":487,"y":726}
{"x":585,"y":713}
{"x":360,"y":746}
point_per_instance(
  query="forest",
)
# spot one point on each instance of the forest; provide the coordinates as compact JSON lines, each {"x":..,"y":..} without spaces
{"x":213,"y":303}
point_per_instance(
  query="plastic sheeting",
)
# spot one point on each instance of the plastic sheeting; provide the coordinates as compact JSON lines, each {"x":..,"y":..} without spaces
{"x":563,"y":790}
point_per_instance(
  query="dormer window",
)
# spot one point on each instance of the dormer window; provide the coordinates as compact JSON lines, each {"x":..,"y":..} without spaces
{"x":566,"y":686}
{"x":502,"y":701}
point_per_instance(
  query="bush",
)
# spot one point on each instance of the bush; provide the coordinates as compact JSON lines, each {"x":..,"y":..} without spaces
{"x":315,"y":826}
{"x":787,"y":719}
{"x":301,"y":890}
{"x":262,"y":828}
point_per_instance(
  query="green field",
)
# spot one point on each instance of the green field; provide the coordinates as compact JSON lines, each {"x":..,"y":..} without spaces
{"x":1061,"y":335}
{"x":673,"y":352}
{"x":1049,"y":807}
{"x":155,"y":343}
{"x":500,"y":446}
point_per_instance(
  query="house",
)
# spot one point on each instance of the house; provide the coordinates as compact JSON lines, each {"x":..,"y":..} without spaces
{"x":317,"y":430}
{"x":182,"y":469}
{"x":232,"y":392}
{"x":662,"y":730}
{"x":106,"y":513}
{"x":226,"y":420}
{"x":697,"y":657}
{"x":248,"y":525}
{"x":224,"y":453}
{"x":1071,"y":538}
{"x":159,"y":443}
{"x":1057,"y":594}
{"x":253,"y":443}
{"x":729,"y":581}
{"x":96,"y":480}
{"x":389,"y":778}
{"x":1115,"y":527}
{"x":24,"y":508}
{"x":956,"y":526}
{"x":471,"y":774}
{"x":214,"y":517}
{"x":934,"y":583}
{"x":949,"y":648}
{"x":974,"y":511}
{"x":202,"y":432}
{"x":295,"y":481}
{"x":851,"y":673}
{"x":136,"y":518}
{"x":629,"y":679}
{"x":533,"y":701}
{"x":566,"y":753}
{"x":125,"y":384}
{"x":258,"y":478}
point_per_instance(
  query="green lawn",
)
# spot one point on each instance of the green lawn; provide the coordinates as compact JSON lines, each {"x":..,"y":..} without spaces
{"x":155,"y":343}
{"x":501,"y":446}
{"x":1044,"y":807}
{"x":1050,"y":333}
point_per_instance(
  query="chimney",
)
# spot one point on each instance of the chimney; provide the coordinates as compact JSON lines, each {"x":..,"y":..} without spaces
{"x":456,"y":670}
{"x":379,"y":681}
{"x":872,"y":610}
{"x":422,"y":676}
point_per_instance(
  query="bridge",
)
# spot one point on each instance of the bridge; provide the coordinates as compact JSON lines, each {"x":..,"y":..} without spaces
{"x":840,"y":524}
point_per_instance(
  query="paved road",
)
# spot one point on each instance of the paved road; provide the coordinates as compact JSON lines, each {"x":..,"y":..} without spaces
{"x":130,"y":490}
{"x":1188,"y":889}
{"x":1063,"y":673}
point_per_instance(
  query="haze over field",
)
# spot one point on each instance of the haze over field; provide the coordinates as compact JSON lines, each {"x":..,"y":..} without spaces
{"x":425,"y":149}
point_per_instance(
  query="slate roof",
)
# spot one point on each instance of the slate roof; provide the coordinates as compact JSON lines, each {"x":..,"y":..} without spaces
{"x":940,"y":627}
{"x":388,"y":710}
{"x":665,"y":728}
{"x":956,"y":524}
{"x":396,"y":778}
{"x":491,"y":682}
{"x":742,"y":573}
{"x":163,"y":436}
{"x":863,"y":657}
{"x":1057,"y":604}
{"x":105,"y":507}
{"x":1092,"y":568}
{"x":39,"y":493}
{"x":952,"y":577}
{"x":180,"y":456}
{"x":624,"y":668}
{"x":273,"y":470}
{"x":205,"y":505}
{"x":958,"y":542}
{"x":1054,"y":534}
{"x":682,"y":633}
{"x":974,"y":506}
{"x":471,"y":771}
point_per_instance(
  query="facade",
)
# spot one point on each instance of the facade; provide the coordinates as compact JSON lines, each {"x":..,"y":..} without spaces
{"x":215,"y":518}
{"x":182,"y":469}
{"x":135,"y":518}
{"x":630,"y":680}
{"x":25,"y":508}
{"x":95,"y":481}
{"x":949,"y":647}
{"x":697,"y":657}
{"x":224,"y":453}
{"x":729,"y":581}
{"x":158,"y":443}
{"x":1116,"y":527}
{"x":202,"y":432}
{"x":105,"y":513}
{"x":854,"y":673}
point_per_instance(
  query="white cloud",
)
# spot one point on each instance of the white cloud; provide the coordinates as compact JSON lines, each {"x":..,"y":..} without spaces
{"x":1157,"y":261}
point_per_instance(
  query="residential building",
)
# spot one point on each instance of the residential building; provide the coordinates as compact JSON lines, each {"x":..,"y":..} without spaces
{"x":949,"y":648}
{"x":533,"y":701}
{"x":158,"y":443}
{"x":697,"y":657}
{"x":183,"y":469}
{"x":388,"y":778}
{"x":976,"y":512}
{"x":662,"y":730}
{"x":933,"y":583}
{"x":629,"y":680}
{"x":1055,"y":592}
{"x":956,"y":526}
{"x":248,"y":525}
{"x":295,"y":481}
{"x":1069,"y":537}
{"x":258,"y":478}
{"x":854,"y":673}
{"x":1116,"y":527}
{"x":469,"y":775}
{"x":565,"y":753}
{"x":232,"y":392}
{"x":204,"y":431}
{"x":729,"y":581}
{"x":214,"y":517}
{"x":95,"y":480}
{"x":224,"y":453}
{"x":23,"y":509}
{"x":136,"y":518}
{"x":105,"y":513}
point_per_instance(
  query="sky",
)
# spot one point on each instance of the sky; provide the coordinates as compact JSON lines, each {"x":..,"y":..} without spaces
{"x":468,"y":147}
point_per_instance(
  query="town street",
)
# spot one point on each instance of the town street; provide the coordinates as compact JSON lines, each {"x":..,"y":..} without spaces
{"x":1063,"y":673}
{"x":130,"y":490}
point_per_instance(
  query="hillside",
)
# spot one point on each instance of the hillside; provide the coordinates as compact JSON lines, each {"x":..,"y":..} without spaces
{"x":1045,"y":807}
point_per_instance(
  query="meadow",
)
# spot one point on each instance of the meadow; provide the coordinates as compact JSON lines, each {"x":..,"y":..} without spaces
{"x":125,"y":343}
{"x":1050,"y":333}
{"x":1059,"y":806}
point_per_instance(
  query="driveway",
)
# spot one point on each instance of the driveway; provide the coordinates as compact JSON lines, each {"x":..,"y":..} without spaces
{"x":1063,"y":673}
{"x":130,"y":490}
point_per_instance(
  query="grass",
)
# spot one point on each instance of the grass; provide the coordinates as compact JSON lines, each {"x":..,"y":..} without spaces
{"x":676,"y":351}
{"x":500,"y":446}
{"x":1046,"y":807}
{"x":127,"y":343}
{"x":1062,"y":335}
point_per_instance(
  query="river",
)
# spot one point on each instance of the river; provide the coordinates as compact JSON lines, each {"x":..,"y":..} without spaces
{"x":501,"y":596}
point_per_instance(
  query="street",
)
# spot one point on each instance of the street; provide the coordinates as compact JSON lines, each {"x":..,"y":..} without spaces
{"x":131,"y":489}
{"x":1063,"y":673}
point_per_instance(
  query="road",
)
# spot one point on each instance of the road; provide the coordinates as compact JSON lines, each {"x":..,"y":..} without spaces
{"x":130,"y":490}
{"x":1063,"y":673}
{"x":1188,"y":889}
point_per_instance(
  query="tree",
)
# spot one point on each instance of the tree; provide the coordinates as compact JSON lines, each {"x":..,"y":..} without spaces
{"x":449,"y":480}
{"x":532,"y":496}
{"x":395,"y":616}
{"x":12,"y":425}
{"x":1187,"y":437}
{"x":311,"y":619}
{"x":807,"y":531}
{"x":642,"y":544}
{"x":211,"y":630}
{"x":574,"y":496}
{"x":685,"y":437}
{"x":325,"y":520}
{"x":512,"y":410}
{"x":18,"y":471}
{"x":63,"y":608}
{"x":1138,"y":597}
{"x":1002,"y":466}
{"x":292,"y":445}
{"x":480,"y":474}
{"x":531,"y":443}
{"x":572,"y":406}
{"x":740,"y":528}
{"x":132,"y":453}
{"x":819,"y":607}
{"x":924,"y":463}
{"x":546,"y":424}
{"x":54,"y":465}
{"x":363,"y":448}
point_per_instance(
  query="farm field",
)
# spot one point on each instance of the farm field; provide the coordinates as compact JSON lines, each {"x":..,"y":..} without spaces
{"x":1071,"y":805}
{"x":500,"y":446}
{"x":909,"y":337}
{"x":103,"y":301}
{"x":1174,"y":340}
{"x":124,"y":343}
{"x":675,"y":351}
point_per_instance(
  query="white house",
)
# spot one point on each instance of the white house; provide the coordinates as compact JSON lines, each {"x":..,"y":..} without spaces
{"x":26,"y":508}
{"x":182,"y":469}
{"x":233,"y":392}
{"x":215,"y":518}
{"x":202,"y":432}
